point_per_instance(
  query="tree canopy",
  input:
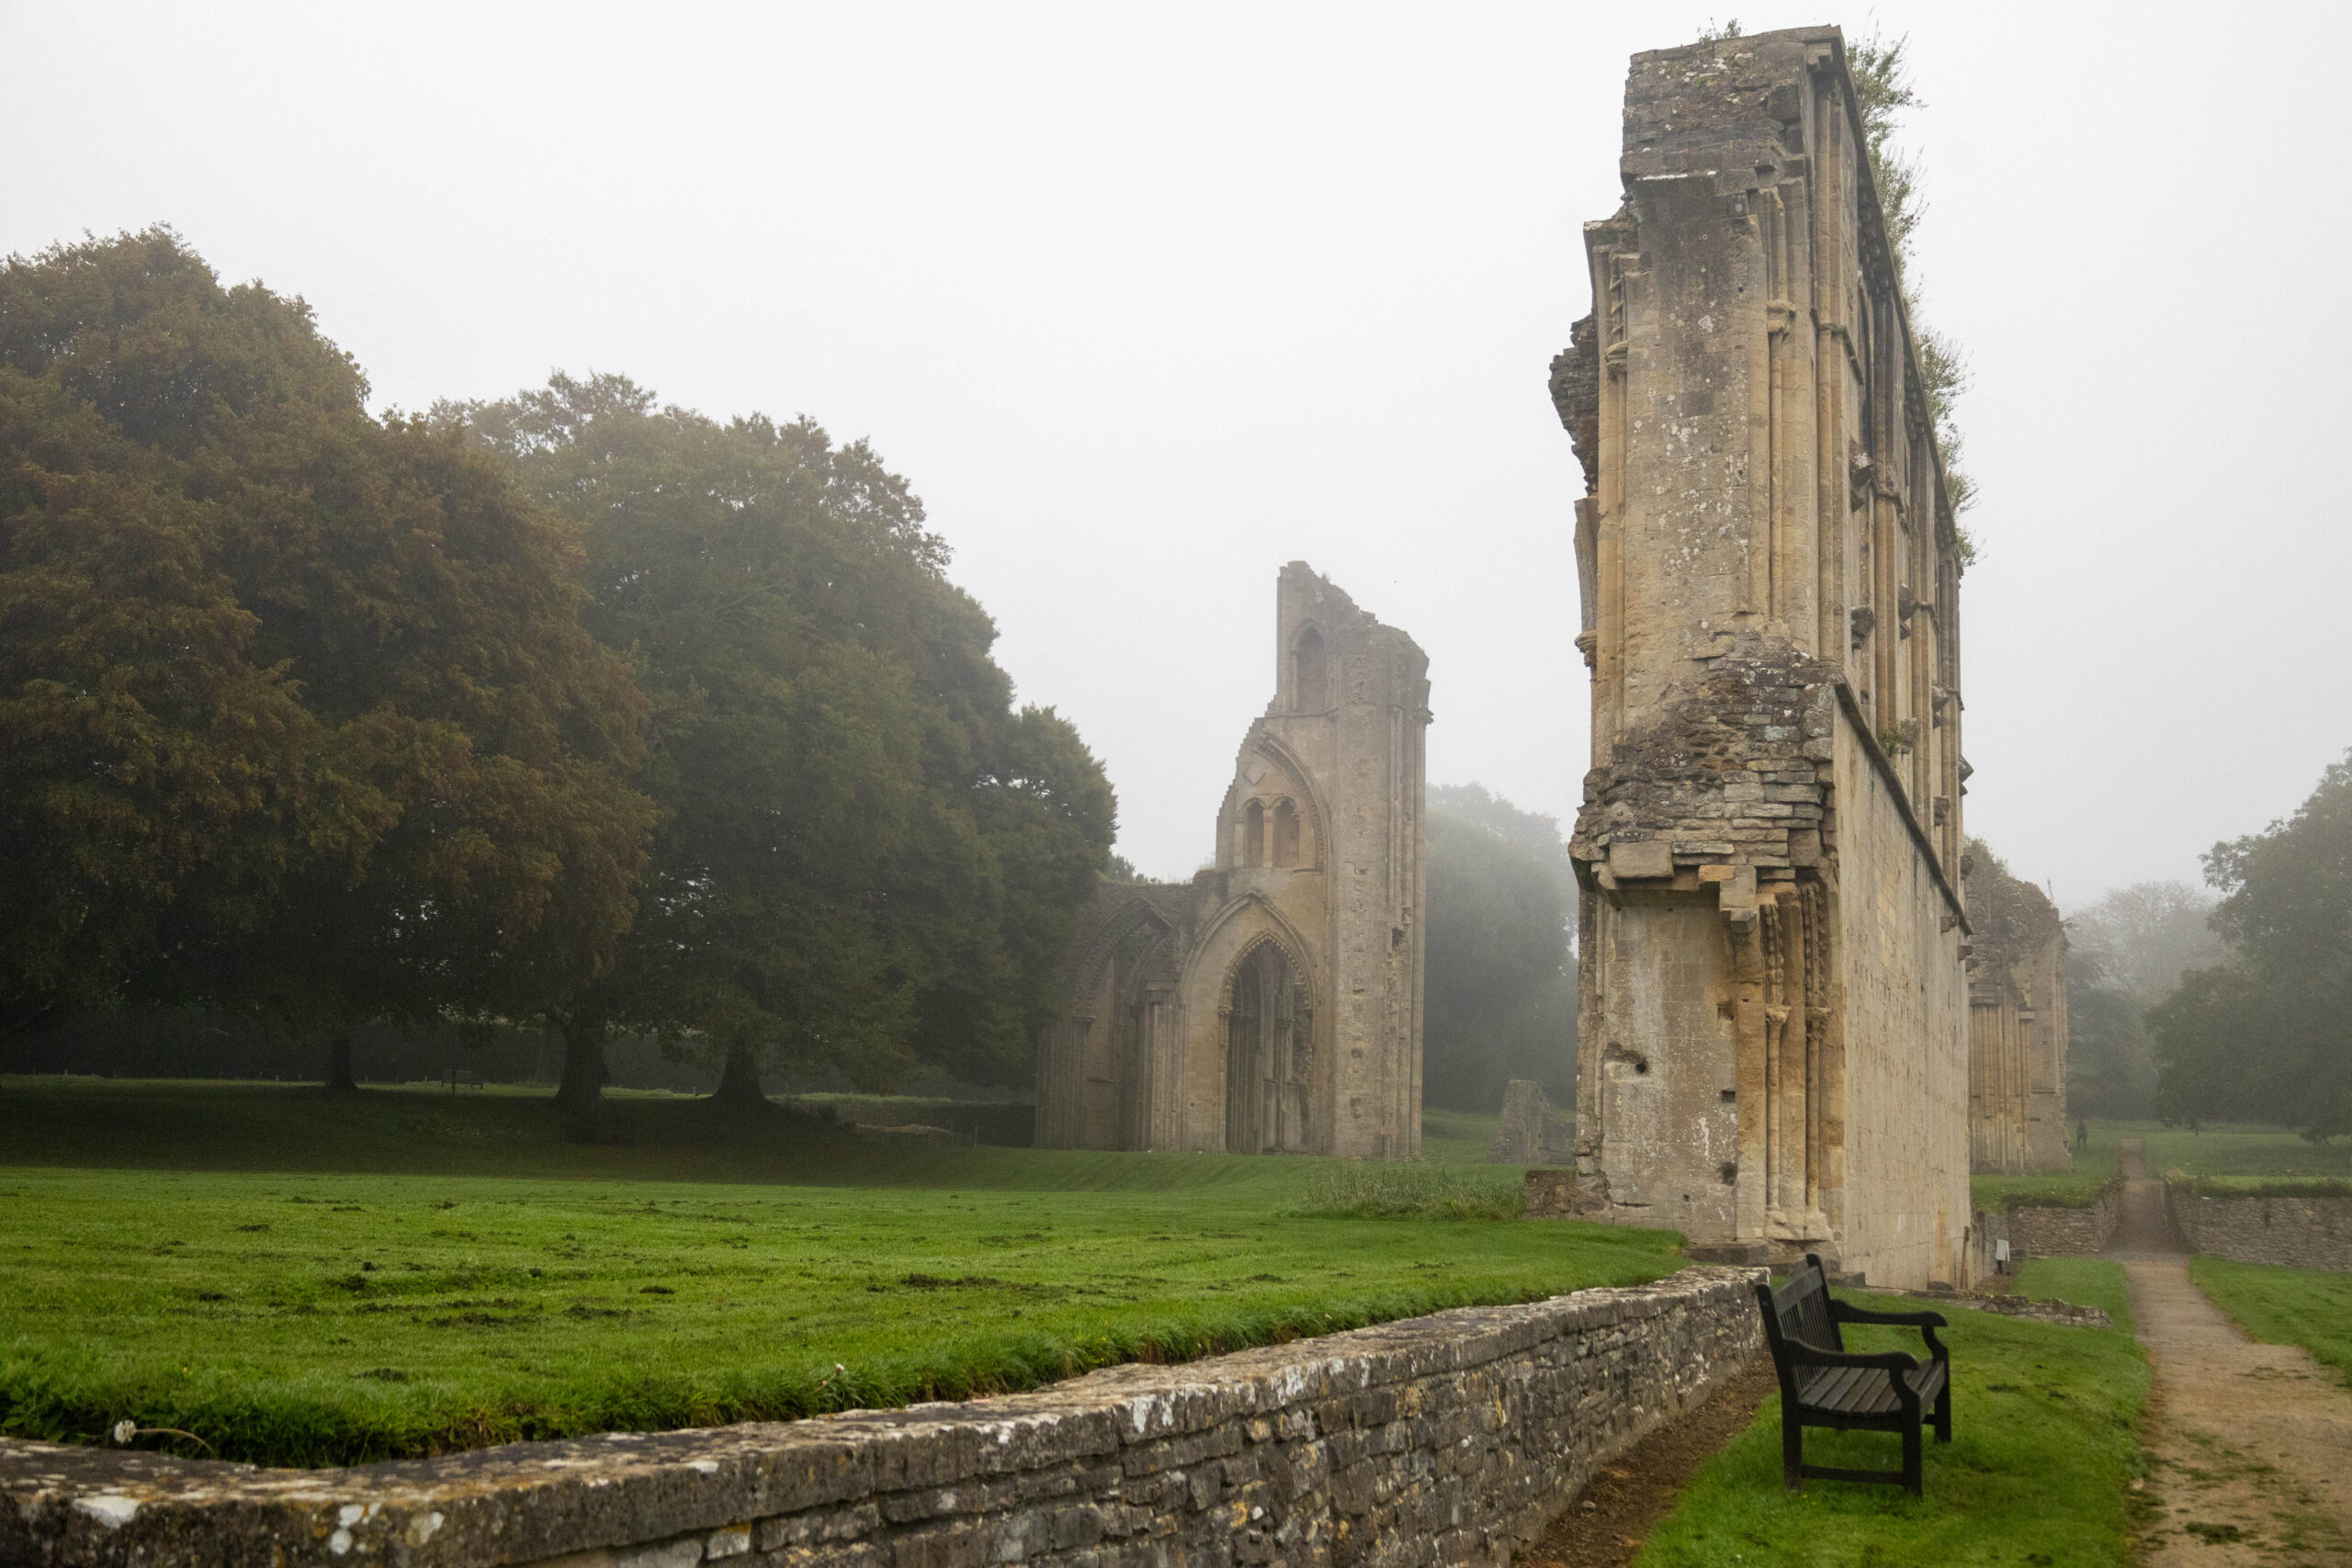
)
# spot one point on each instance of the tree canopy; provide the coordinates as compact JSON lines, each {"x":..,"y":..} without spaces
{"x":2127,"y":953}
{"x":868,"y":857}
{"x":1500,"y":989}
{"x":296,"y":714}
{"x":2267,"y":1033}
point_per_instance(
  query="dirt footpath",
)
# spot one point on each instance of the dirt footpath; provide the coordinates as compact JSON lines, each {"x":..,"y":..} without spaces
{"x":2250,"y":1445}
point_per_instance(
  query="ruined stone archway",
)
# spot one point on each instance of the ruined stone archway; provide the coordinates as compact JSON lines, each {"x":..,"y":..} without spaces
{"x":1269,"y":1051}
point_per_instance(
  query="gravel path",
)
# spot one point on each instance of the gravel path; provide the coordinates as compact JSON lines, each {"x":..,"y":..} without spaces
{"x":2250,"y":1445}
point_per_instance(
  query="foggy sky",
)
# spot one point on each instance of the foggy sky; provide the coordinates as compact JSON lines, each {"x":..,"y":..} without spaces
{"x":1149,"y":300}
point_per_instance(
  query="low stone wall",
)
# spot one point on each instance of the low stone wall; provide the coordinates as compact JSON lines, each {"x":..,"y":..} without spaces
{"x":2045,"y":1231}
{"x":2295,"y":1232}
{"x":1441,"y":1440}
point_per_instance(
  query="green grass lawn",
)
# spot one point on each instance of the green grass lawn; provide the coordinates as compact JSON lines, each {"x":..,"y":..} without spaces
{"x":2311,"y":1307}
{"x":2232,"y":1150}
{"x":2076,"y":1188}
{"x":1456,"y":1136}
{"x":2241,"y":1156}
{"x":2044,"y":1447}
{"x":2085,"y":1281}
{"x":306,"y":1280}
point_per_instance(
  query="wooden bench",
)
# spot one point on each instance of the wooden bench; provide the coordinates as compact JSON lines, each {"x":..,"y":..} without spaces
{"x":455,"y":1076}
{"x":1823,"y":1386}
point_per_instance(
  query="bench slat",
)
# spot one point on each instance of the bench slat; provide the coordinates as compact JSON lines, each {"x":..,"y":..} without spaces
{"x":1831,"y":1387}
{"x":1852,"y":1390}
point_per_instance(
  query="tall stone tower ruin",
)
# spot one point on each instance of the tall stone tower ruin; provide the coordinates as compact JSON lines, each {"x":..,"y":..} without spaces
{"x":1774,"y":1013}
{"x":1272,"y":1003}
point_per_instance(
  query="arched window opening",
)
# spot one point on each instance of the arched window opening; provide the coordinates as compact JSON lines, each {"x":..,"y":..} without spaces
{"x":1254,"y":833}
{"x":1286,"y":833}
{"x":1310,"y":675}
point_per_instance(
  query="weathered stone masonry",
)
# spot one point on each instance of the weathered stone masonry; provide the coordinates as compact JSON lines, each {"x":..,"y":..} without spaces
{"x":1443,"y":1440}
{"x":1772,"y":1004}
{"x":2301,"y":1231}
{"x":2017,"y":1024}
{"x":1272,"y":1004}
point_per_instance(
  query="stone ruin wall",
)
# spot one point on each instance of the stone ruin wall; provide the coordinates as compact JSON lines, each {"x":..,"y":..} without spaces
{"x":1313,"y":906}
{"x":2017,"y":1025}
{"x":1448,"y":1439}
{"x":1529,"y":1131}
{"x":1772,"y":1006}
{"x":2045,"y":1230}
{"x":2291,"y":1231}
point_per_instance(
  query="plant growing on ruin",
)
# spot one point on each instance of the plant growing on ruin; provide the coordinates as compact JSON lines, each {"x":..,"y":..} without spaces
{"x":1882,"y":90}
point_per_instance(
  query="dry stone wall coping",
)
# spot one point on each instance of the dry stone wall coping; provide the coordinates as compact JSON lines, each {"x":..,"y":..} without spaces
{"x":1439,"y":1439}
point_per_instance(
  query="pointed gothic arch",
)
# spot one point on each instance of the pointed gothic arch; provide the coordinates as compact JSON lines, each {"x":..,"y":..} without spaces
{"x":1297,"y":786}
{"x":1268,"y":1052}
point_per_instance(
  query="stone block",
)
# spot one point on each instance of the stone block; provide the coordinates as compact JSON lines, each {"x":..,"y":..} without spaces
{"x":1648,"y":860}
{"x":680,"y":1552}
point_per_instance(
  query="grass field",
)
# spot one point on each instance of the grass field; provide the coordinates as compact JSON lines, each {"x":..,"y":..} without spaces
{"x":2076,"y":1188}
{"x":1456,"y":1136}
{"x":407,"y":1273}
{"x":2243,"y":1155}
{"x":2085,"y":1281}
{"x":2311,"y":1307}
{"x":2241,"y":1151}
{"x":2044,"y":1447}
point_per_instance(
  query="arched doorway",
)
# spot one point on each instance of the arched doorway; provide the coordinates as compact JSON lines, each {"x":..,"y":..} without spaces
{"x":1268,"y":1047}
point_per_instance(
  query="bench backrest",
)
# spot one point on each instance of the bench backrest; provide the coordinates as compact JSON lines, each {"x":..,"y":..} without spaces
{"x":1800,"y":1310}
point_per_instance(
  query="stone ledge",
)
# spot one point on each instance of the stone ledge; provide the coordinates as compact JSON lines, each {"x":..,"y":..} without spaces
{"x":1379,"y":1443}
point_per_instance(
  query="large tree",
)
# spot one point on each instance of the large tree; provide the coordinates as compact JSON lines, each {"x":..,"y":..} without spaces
{"x":2266,"y":1035}
{"x":2110,"y":1062}
{"x":869,"y":858}
{"x":2143,"y":939}
{"x":1501,"y":989}
{"x":2126,"y":953}
{"x":296,"y":714}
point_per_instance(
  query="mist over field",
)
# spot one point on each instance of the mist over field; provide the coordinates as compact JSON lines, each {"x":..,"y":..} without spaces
{"x":1146,"y":302}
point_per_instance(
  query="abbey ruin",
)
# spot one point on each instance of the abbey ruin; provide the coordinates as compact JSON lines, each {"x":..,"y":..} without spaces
{"x":2017,"y":1024}
{"x":1773,"y":1004}
{"x":1273,"y":1002}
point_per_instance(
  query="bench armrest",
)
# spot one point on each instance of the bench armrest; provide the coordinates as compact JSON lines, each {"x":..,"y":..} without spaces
{"x":1846,"y":1314}
{"x":1803,"y":1354}
{"x":1926,"y":1323}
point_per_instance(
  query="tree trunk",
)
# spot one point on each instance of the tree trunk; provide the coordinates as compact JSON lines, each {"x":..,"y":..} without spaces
{"x":739,"y":1083}
{"x":583,"y":1068}
{"x":339,"y":1078}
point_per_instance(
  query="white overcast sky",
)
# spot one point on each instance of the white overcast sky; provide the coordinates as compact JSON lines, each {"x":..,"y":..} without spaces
{"x":1149,"y":300}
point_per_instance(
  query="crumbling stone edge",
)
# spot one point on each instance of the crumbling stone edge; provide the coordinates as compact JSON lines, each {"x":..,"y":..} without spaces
{"x":1449,"y":1438}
